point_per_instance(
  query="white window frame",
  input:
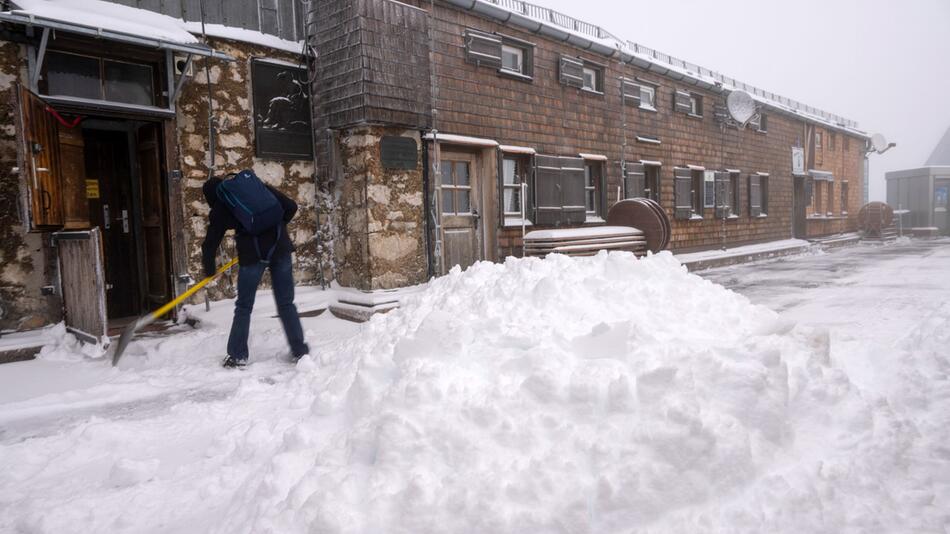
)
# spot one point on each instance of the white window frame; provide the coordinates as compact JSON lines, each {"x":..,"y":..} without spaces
{"x":648,"y":89}
{"x":514,"y":186}
{"x":513,"y":50}
{"x":709,"y":201}
{"x":695,"y":105}
{"x":594,"y":75}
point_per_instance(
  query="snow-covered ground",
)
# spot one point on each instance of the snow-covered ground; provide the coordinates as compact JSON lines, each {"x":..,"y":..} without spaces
{"x":603,"y":394}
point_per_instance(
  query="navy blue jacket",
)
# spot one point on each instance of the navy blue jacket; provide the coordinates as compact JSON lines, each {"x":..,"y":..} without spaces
{"x":220,"y":220}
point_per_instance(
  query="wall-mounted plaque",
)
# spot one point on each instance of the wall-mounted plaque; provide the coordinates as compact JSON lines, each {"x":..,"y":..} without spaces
{"x":398,"y":152}
{"x":282,"y":128}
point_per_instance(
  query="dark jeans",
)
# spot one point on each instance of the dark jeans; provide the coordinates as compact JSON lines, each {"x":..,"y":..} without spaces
{"x":282,"y":278}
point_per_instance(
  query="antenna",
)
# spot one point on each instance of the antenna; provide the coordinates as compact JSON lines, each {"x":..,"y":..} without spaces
{"x":741,"y":106}
{"x":879,"y":143}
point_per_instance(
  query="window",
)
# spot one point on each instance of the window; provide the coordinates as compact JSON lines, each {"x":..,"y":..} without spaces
{"x":515,"y":173}
{"x":709,"y":189}
{"x":456,"y":188}
{"x":816,"y":198}
{"x":817,"y":140}
{"x":559,"y":190}
{"x":593,"y":187}
{"x":695,"y":105}
{"x":652,"y":179}
{"x":99,"y":79}
{"x":512,"y":59}
{"x":697,"y":185}
{"x":844,"y":194}
{"x":818,"y":150}
{"x":734,"y":193}
{"x":831,"y":199}
{"x":758,"y":194}
{"x":832,"y":137}
{"x":593,"y":78}
{"x":763,"y":123}
{"x":648,"y":97}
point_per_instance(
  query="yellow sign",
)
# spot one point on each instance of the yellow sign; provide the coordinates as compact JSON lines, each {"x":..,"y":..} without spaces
{"x":92,"y":188}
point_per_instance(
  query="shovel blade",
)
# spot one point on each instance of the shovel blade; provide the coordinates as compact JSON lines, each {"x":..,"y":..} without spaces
{"x":125,"y":338}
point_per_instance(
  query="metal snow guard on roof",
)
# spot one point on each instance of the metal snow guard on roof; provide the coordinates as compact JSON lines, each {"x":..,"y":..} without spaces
{"x":572,"y":25}
{"x":111,"y":35}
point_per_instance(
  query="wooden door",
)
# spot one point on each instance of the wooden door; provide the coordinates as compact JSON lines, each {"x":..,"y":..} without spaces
{"x":149,"y":155}
{"x":108,"y":162}
{"x":82,"y":281}
{"x":799,"y":201}
{"x":38,"y":160}
{"x":461,"y":232}
{"x":73,"y":175}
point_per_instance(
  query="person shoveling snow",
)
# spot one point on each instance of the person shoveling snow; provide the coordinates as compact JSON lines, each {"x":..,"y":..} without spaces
{"x":259,"y":215}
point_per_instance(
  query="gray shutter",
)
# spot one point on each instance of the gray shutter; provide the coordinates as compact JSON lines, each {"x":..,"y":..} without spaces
{"x":573,"y":194}
{"x":681,"y":102}
{"x":755,"y":195}
{"x":635,"y":184}
{"x":547,"y":190}
{"x":571,"y":71}
{"x":682,"y":193}
{"x":631,"y":92}
{"x":482,"y":48}
{"x":723,"y":199}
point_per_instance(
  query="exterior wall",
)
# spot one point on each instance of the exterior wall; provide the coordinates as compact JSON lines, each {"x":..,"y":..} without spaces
{"x":231,"y":89}
{"x":29,"y":264}
{"x":25,"y":258}
{"x":843,"y":159}
{"x":381,"y":242}
{"x":556,"y":119}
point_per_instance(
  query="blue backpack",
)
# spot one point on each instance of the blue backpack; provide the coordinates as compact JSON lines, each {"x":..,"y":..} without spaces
{"x":253,"y":205}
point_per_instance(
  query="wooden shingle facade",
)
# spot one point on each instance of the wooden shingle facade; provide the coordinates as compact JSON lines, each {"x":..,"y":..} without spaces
{"x":506,"y":100}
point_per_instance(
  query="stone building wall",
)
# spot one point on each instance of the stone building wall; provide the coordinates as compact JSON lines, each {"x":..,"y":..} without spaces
{"x":25,"y":258}
{"x":381,"y":244}
{"x":233,"y":111}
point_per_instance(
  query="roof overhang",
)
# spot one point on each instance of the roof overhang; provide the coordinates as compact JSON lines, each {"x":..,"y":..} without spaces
{"x":33,"y":20}
{"x":821,"y":175}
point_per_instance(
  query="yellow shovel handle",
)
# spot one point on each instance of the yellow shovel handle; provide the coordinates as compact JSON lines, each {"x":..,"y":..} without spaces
{"x":192,"y":290}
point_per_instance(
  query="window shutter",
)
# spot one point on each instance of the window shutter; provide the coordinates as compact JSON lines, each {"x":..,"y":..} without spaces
{"x":631,"y":92}
{"x":572,"y":190}
{"x":547,"y":190}
{"x":755,"y":195}
{"x":682,"y":197}
{"x":571,"y":71}
{"x":722,"y":195}
{"x":734,"y":194}
{"x":681,"y":102}
{"x":482,"y":48}
{"x":635,"y":184}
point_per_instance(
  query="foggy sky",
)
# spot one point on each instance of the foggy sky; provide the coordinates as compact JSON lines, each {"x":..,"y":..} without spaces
{"x":883,"y":63}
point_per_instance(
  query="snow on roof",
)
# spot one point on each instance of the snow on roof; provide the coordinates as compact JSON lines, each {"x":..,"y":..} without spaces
{"x":107,"y":15}
{"x":99,"y":14}
{"x":586,"y":35}
{"x":461,"y":139}
{"x":246,"y":36}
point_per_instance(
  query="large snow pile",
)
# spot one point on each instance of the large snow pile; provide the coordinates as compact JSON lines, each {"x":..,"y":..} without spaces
{"x":600,"y":395}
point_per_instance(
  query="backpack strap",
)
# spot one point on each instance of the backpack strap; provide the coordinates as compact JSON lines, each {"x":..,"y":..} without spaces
{"x":270,"y":253}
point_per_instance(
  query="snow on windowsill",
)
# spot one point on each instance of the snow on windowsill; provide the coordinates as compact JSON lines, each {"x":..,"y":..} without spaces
{"x":695,"y":217}
{"x":511,"y":222}
{"x":594,"y":219}
{"x":648,"y":108}
{"x":516,"y":75}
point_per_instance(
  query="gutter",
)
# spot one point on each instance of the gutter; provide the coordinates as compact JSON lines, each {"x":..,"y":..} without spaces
{"x":505,"y":16}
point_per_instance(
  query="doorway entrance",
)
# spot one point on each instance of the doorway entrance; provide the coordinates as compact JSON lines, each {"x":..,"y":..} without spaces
{"x":462,"y":243}
{"x":801,"y":197}
{"x":126,"y":202}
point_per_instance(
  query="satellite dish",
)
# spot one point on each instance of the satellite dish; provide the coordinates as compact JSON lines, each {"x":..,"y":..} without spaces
{"x":878,"y":142}
{"x":741,"y":106}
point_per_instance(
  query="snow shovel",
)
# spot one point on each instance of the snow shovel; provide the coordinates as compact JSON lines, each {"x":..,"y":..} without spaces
{"x":146,"y":320}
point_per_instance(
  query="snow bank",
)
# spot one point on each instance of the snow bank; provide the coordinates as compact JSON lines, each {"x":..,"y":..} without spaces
{"x":601,"y":394}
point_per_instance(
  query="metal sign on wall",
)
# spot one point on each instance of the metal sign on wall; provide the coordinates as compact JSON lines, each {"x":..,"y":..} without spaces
{"x":798,"y":161}
{"x":398,"y":152}
{"x":282,"y":128}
